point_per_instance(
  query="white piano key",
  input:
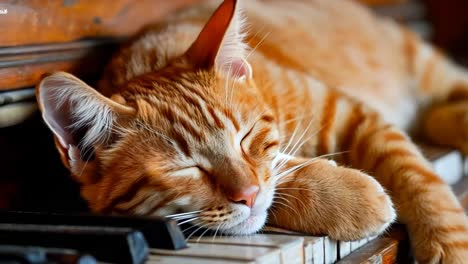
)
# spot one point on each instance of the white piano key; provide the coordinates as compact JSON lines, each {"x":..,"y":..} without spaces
{"x":357,"y":244}
{"x":290,"y":247}
{"x":314,"y":250}
{"x":331,"y":250}
{"x":344,"y":248}
{"x":179,"y":259}
{"x":217,"y":253}
{"x":313,"y":245}
{"x":371,"y":238}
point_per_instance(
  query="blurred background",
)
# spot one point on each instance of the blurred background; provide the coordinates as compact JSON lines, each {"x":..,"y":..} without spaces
{"x":79,"y":36}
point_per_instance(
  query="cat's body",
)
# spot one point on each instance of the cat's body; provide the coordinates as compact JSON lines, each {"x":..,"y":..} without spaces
{"x":368,"y":58}
{"x":219,"y":120}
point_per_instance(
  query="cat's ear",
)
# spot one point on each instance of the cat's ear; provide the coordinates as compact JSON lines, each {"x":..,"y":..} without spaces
{"x":78,"y":115}
{"x":220,"y":44}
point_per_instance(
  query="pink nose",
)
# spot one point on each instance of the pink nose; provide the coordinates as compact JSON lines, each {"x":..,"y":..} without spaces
{"x":245,"y":195}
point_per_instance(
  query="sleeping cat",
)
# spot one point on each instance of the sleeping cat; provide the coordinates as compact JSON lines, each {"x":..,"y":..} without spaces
{"x":233,"y":119}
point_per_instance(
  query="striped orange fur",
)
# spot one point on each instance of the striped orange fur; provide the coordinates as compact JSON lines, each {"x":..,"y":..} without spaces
{"x":231,"y":119}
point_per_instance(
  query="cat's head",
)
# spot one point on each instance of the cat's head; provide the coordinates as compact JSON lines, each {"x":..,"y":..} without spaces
{"x":193,"y":137}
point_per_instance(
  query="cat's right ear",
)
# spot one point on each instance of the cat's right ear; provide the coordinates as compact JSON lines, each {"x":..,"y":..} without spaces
{"x":78,"y":115}
{"x":220,"y":44}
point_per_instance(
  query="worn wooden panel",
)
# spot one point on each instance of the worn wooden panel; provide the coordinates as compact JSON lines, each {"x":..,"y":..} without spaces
{"x":385,"y":247}
{"x":389,"y":249}
{"x":24,"y":66}
{"x":38,"y":22}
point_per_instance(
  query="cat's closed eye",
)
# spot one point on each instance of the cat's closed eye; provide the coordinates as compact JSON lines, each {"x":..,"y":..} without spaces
{"x":270,"y":145}
{"x":192,"y":171}
{"x":260,"y":140}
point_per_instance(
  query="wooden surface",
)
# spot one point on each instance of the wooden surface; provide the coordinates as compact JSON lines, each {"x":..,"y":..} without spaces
{"x":23,"y":66}
{"x":388,"y":249}
{"x":58,"y":27}
{"x":39,"y":22}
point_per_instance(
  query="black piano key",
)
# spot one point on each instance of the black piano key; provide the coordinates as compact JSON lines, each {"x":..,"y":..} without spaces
{"x":26,"y":255}
{"x":67,"y":256}
{"x":108,"y":244}
{"x":159,"y":232}
{"x":39,"y":255}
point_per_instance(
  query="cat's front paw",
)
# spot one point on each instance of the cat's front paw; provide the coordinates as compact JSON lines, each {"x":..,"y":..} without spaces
{"x":371,"y":211}
{"x":342,"y":203}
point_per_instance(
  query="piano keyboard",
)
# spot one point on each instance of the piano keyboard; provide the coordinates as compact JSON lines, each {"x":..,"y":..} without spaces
{"x":137,"y":240}
{"x":52,"y":238}
{"x":277,"y":248}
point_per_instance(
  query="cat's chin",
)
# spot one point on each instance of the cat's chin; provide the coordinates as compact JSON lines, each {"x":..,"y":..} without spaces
{"x":249,"y":226}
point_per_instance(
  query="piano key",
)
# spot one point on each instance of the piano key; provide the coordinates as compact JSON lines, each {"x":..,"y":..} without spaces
{"x":116,"y":245}
{"x":331,"y":250}
{"x":217,"y":253}
{"x":371,"y":238}
{"x":314,"y":247}
{"x":159,"y":232}
{"x":28,"y":255}
{"x":357,"y":244}
{"x":344,"y":248}
{"x":33,"y":255}
{"x":181,"y":259}
{"x":290,"y":247}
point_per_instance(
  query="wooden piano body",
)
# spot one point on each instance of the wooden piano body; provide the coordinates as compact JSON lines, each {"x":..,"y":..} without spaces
{"x":78,"y":37}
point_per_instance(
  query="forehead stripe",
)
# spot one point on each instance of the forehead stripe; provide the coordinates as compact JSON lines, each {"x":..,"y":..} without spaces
{"x":216,"y":119}
{"x":190,"y":128}
{"x":229,"y":115}
{"x":182,"y":143}
{"x":128,"y":194}
{"x":267,"y":118}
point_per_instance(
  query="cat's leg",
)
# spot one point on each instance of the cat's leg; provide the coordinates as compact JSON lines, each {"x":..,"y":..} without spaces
{"x":447,"y":124}
{"x":442,"y":87}
{"x":323,"y":198}
{"x":436,"y":222}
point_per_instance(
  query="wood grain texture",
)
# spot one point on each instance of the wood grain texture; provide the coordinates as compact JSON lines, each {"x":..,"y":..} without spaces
{"x":389,"y":249}
{"x":24,"y":66}
{"x":39,"y":22}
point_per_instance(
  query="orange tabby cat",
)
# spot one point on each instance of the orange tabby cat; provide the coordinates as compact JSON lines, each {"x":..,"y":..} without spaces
{"x":222,"y":117}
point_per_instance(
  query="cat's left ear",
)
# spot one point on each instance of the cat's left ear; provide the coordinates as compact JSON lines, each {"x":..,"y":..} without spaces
{"x":220,"y":43}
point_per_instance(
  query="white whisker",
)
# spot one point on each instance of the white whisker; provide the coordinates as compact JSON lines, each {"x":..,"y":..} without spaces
{"x":202,"y":234}
{"x":286,"y":205}
{"x":186,"y":213}
{"x":293,"y":148}
{"x":296,"y":147}
{"x":191,"y":234}
{"x":188,"y":228}
{"x":290,"y":195}
{"x":189,"y":220}
{"x":292,"y":188}
{"x":216,"y":232}
{"x":258,"y":44}
{"x":183,"y":217}
{"x":274,"y":215}
{"x":302,"y":165}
